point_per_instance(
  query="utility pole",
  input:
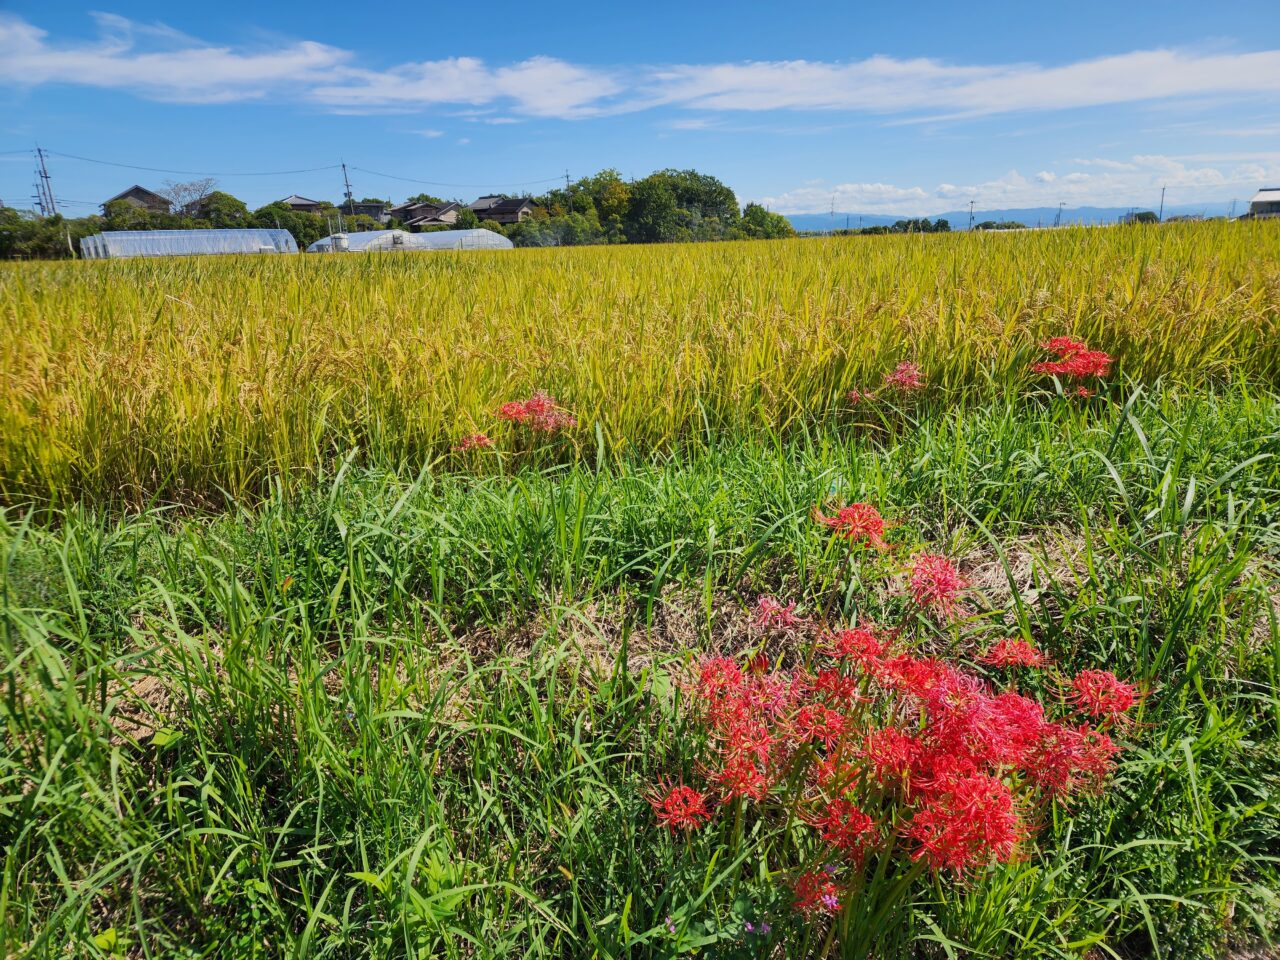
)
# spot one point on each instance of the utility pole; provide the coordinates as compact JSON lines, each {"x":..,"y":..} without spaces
{"x":44,"y":187}
{"x":1057,"y":220}
{"x":970,"y":214}
{"x":1160,"y":216}
{"x":351,"y":203}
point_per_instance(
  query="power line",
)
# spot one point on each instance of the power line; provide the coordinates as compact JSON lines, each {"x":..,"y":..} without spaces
{"x":191,"y":173}
{"x":436,"y":183}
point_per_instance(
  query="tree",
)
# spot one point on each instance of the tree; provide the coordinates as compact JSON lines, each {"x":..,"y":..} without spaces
{"x":467,"y":220}
{"x":224,"y":211}
{"x":418,"y":198}
{"x":1142,"y":216}
{"x":306,"y":228}
{"x":185,"y":197}
{"x":651,"y":211}
{"x":760,"y":223}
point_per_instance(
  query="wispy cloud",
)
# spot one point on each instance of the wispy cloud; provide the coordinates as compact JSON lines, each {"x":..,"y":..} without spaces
{"x":159,"y":63}
{"x":1117,"y":184}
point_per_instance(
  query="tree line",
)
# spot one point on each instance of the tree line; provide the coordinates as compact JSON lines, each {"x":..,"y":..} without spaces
{"x":665,"y":207}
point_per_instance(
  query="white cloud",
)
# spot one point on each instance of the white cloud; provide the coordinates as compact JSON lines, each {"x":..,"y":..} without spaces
{"x":1121,"y":184}
{"x":1046,"y":176}
{"x":886,"y":85}
{"x":183,"y":70}
{"x":159,"y":63}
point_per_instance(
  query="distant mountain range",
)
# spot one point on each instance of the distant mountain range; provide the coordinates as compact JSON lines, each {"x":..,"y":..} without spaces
{"x":1031,"y":216}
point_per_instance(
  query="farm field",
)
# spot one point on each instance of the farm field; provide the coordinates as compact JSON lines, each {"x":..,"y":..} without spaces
{"x":324,"y":633}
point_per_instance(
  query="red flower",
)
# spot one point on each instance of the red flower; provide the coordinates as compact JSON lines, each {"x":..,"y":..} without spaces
{"x":832,"y":685}
{"x":1069,"y":759}
{"x":1100,"y":694}
{"x":816,"y":892}
{"x":740,"y":777}
{"x":772,"y":614}
{"x":475,"y":441}
{"x":971,"y":823}
{"x":891,"y":754}
{"x":816,"y":722}
{"x":540,"y":412}
{"x":906,"y":376}
{"x":858,"y":396}
{"x":1063,"y":346}
{"x":680,"y":808}
{"x":1075,"y":360}
{"x":858,"y":644}
{"x":845,"y":827}
{"x":1013,"y":653}
{"x":936,"y":583}
{"x":860,"y":522}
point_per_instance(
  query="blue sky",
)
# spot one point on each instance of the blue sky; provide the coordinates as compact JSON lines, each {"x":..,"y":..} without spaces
{"x":887,"y":108}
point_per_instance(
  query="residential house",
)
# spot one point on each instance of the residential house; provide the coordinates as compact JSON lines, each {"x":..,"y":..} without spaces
{"x":502,"y":209}
{"x":302,"y":204}
{"x":378,"y":209}
{"x":1265,"y":203}
{"x":140,"y":197}
{"x":420,"y":214}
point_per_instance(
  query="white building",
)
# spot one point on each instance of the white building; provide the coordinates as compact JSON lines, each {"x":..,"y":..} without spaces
{"x":1265,"y":203}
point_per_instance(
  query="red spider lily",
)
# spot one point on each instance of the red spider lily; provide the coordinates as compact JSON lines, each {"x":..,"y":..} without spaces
{"x":475,"y":441}
{"x":741,"y":777}
{"x":1013,"y":653}
{"x":975,"y":820}
{"x":540,"y":412}
{"x":927,"y":761}
{"x":815,"y":892}
{"x":916,"y":676}
{"x":905,"y":377}
{"x":1084,"y":392}
{"x":833,"y":686}
{"x":1100,"y":694}
{"x":680,"y":808}
{"x":833,"y":774}
{"x":857,"y":644}
{"x":858,"y":396}
{"x":749,"y":738}
{"x":845,"y":827}
{"x":816,"y":722}
{"x":936,"y":584}
{"x":1075,"y":360}
{"x":1067,"y":760}
{"x":890,"y":753}
{"x":772,"y":614}
{"x":1063,"y":346}
{"x":857,"y":523}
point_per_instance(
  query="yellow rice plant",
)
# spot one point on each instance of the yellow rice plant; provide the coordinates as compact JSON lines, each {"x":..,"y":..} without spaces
{"x":186,"y":377}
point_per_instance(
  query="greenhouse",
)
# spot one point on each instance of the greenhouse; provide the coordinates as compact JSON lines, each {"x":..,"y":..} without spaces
{"x":384,"y":241}
{"x":180,"y":243}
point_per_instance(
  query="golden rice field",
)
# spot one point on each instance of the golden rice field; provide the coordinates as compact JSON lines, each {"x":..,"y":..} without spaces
{"x":120,"y":380}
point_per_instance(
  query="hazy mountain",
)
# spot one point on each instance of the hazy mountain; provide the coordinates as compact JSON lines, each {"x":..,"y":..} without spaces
{"x":1031,"y":216}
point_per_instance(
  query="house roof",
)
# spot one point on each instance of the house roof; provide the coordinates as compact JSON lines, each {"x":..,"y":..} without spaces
{"x":294,"y":200}
{"x":487,"y":201}
{"x":136,"y":187}
{"x":1267,"y":195}
{"x":501,"y":204}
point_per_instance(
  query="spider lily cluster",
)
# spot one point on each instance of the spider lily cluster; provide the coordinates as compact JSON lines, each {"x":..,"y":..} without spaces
{"x":877,"y":762}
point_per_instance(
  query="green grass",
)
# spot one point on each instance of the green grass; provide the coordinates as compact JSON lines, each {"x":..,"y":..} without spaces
{"x":414,"y":713}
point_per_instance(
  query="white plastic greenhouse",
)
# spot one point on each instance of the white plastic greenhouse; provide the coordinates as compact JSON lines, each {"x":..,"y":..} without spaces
{"x":180,"y":243}
{"x":384,"y":241}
